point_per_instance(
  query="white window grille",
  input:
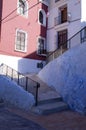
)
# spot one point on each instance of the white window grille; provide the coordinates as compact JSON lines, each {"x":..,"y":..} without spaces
{"x":22,"y":8}
{"x":41,"y":49}
{"x":21,"y":41}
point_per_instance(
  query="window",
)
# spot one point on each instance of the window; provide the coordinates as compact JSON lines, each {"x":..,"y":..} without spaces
{"x":22,"y":8}
{"x":62,"y":39}
{"x":42,"y":17}
{"x":64,"y":15}
{"x":41,"y":50}
{"x":21,"y":37}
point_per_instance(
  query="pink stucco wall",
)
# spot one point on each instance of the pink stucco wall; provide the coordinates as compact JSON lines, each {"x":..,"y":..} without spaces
{"x":1,"y":2}
{"x":15,"y":21}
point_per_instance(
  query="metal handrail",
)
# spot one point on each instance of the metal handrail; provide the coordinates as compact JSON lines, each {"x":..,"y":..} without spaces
{"x":58,"y":20}
{"x":61,"y":49}
{"x":27,"y":83}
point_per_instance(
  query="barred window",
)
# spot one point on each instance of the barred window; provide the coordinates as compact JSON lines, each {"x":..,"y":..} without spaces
{"x":21,"y":41}
{"x":42,"y":17}
{"x":22,"y":7}
{"x":41,"y":46}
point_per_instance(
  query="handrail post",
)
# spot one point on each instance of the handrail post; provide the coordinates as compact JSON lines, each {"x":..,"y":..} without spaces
{"x":36,"y":102}
{"x":12,"y":75}
{"x":61,"y":49}
{"x":26,"y":83}
{"x":18,"y":79}
{"x":53,"y":56}
{"x":7,"y":71}
{"x":69,"y":44}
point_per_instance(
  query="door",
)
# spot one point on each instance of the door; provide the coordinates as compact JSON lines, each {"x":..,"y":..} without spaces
{"x":64,"y":15}
{"x":62,"y":38}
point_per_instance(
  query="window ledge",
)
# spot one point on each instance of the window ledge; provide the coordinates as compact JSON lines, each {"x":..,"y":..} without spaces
{"x":20,"y":51}
{"x":61,"y":25}
{"x":24,"y":16}
{"x":42,"y":24}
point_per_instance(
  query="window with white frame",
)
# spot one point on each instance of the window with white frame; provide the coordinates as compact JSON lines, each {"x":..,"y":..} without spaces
{"x":21,"y":41}
{"x":42,"y":17}
{"x":22,"y":8}
{"x":41,"y":49}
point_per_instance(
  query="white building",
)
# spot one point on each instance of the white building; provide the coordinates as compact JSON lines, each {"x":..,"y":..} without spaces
{"x":66,"y":18}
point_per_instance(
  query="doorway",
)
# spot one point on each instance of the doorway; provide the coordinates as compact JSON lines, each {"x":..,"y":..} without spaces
{"x":62,"y":38}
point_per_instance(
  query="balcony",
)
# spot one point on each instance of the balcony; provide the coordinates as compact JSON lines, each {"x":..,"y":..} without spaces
{"x":60,"y":20}
{"x":62,"y":16}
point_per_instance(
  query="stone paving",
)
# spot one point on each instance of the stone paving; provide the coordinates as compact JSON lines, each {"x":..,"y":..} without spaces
{"x":11,"y":121}
{"x":66,"y":120}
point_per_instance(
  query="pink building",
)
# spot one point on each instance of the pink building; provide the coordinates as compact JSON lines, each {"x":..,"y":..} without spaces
{"x":23,"y":25}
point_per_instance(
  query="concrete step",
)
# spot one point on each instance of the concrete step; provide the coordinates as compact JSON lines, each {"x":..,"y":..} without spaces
{"x":52,"y":100}
{"x":50,"y":106}
{"x":48,"y":94}
{"x":49,"y":99}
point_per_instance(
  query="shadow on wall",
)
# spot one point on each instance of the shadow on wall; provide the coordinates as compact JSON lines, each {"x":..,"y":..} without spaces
{"x":34,"y":56}
{"x":1,"y":8}
{"x":31,"y":63}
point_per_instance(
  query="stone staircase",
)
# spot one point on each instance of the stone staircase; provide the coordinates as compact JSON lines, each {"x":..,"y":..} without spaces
{"x":49,"y":101}
{"x":50,"y":106}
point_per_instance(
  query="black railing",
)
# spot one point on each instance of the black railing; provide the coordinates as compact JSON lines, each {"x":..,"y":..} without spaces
{"x":76,"y":39}
{"x":59,"y":20}
{"x":22,"y":80}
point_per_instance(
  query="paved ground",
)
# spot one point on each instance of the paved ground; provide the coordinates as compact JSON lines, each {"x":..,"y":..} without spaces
{"x":66,"y":120}
{"x":10,"y":121}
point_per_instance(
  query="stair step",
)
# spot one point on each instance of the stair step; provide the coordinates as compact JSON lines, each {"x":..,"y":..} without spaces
{"x":41,"y":102}
{"x":48,"y":94}
{"x":50,"y":108}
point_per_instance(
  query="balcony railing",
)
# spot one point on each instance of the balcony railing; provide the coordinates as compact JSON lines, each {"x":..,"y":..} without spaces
{"x":42,"y":52}
{"x":59,"y":20}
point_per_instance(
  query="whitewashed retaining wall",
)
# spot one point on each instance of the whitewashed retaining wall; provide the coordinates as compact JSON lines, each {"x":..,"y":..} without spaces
{"x":67,"y":74}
